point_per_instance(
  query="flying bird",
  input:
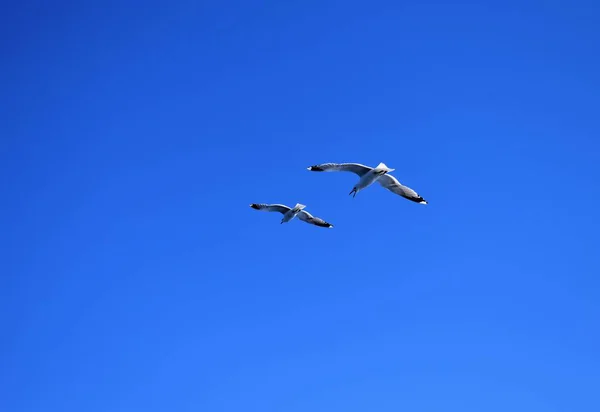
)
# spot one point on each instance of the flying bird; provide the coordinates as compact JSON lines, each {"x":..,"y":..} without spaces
{"x":369,"y":175}
{"x":291,"y":212}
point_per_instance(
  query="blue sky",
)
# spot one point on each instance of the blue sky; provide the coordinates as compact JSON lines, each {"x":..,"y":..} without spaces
{"x":136,"y":277}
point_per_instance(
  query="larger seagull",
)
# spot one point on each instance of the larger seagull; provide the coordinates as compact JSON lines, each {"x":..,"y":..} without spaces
{"x":291,"y":212}
{"x":368,"y":176}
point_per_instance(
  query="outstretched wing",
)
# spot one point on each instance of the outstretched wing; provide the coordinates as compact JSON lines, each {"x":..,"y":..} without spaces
{"x":356,"y":168}
{"x":393,"y":185}
{"x":308,"y":218}
{"x":270,"y":208}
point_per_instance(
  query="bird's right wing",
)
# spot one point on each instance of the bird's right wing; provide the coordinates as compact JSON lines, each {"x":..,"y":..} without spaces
{"x":308,"y":218}
{"x":393,"y":185}
{"x":270,"y":208}
{"x":356,"y":168}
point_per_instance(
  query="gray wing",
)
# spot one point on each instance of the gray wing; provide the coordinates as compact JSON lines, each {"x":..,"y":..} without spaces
{"x":356,"y":168}
{"x":270,"y":208}
{"x":308,"y":218}
{"x":393,"y":185}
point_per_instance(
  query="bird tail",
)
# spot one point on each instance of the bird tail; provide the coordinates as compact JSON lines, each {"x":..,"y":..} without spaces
{"x":382,"y":166}
{"x":299,"y":207}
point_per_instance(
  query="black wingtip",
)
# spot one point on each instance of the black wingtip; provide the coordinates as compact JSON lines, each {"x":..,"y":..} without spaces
{"x":315,"y":169}
{"x":254,"y":206}
{"x":324,"y":224}
{"x":418,"y":200}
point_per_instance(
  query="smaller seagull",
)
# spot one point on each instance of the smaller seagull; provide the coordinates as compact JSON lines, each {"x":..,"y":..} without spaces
{"x":291,"y":212}
{"x":368,"y":176}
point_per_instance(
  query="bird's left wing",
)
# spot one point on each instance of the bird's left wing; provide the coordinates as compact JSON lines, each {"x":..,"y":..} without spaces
{"x":355,"y":168}
{"x":270,"y":208}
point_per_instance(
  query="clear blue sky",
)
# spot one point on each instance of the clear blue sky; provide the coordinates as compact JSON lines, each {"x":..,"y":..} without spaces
{"x":134,"y":276}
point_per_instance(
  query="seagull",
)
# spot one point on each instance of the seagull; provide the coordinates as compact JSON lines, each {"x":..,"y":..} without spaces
{"x":369,"y":175}
{"x":291,"y":212}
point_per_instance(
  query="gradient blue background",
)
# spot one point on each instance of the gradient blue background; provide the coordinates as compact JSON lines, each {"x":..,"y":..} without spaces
{"x":136,"y":278}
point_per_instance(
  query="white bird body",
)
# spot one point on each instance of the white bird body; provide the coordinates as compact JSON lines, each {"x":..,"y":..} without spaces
{"x":368,"y":176}
{"x":371,"y":177}
{"x":290,"y":214}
